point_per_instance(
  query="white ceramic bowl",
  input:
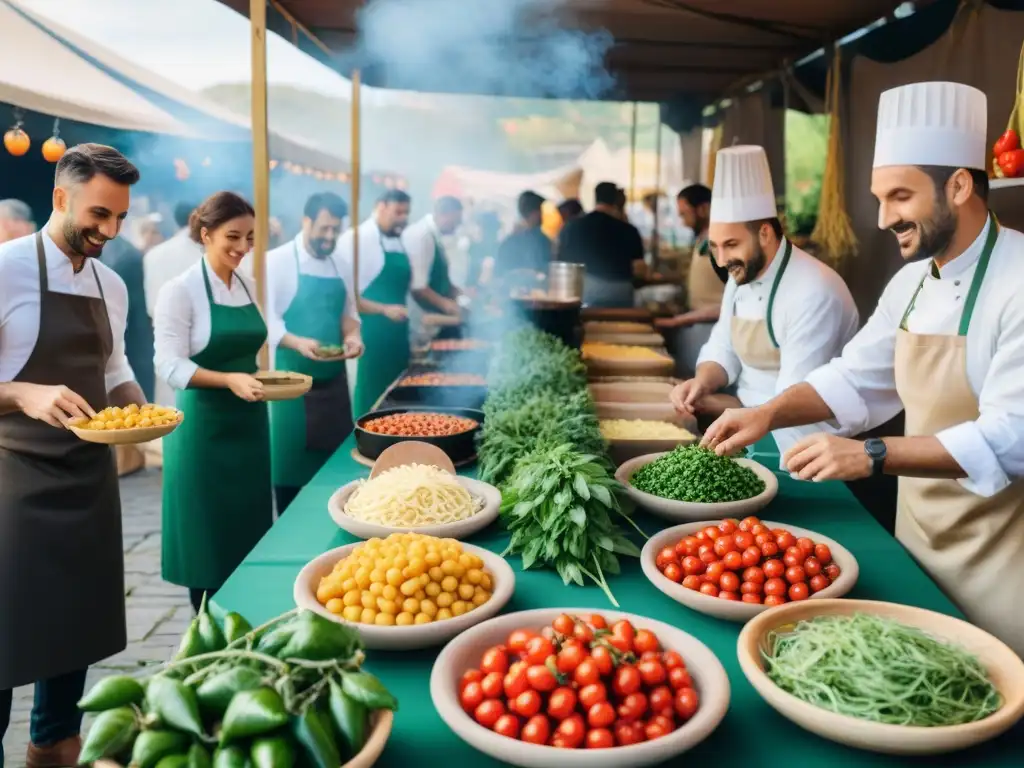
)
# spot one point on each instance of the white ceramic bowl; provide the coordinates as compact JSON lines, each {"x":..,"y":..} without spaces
{"x":736,"y":610}
{"x":459,"y":530}
{"x":464,"y":652}
{"x":412,"y":637}
{"x":1004,"y":667}
{"x":684,"y":511}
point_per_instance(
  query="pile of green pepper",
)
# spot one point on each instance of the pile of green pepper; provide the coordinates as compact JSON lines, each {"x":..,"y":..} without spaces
{"x":289,"y":693}
{"x":697,"y":475}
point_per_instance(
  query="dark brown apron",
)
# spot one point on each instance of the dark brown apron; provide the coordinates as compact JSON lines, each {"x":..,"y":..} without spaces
{"x":61,"y":555}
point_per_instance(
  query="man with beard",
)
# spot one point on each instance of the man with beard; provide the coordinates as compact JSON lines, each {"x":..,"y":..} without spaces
{"x":946,"y":345}
{"x":385,"y":277}
{"x":62,"y":355}
{"x":783,"y":314}
{"x":310,"y":306}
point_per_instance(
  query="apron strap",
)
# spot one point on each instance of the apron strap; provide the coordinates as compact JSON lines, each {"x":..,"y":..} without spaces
{"x":298,"y":269}
{"x":44,"y":279}
{"x":775,"y":288}
{"x":209,"y":290}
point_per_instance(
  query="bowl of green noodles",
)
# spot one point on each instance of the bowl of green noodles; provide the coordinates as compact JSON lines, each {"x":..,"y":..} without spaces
{"x":883,"y":677}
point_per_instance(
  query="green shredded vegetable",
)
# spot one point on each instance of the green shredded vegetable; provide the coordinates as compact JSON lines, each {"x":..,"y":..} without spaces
{"x":877,"y":669}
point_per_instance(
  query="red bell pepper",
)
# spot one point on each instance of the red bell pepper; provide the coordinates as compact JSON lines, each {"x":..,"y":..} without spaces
{"x":1012,"y":163}
{"x":1008,"y":142}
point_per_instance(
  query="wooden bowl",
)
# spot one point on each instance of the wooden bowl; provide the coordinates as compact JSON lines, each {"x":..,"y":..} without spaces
{"x":735,"y":610}
{"x":632,"y":392}
{"x":632,"y":339}
{"x":688,"y":511}
{"x":127,"y":436}
{"x":600,"y":327}
{"x":1004,"y":667}
{"x":416,"y":636}
{"x":381,"y":723}
{"x":621,"y":451}
{"x":464,"y":652}
{"x":283,"y":385}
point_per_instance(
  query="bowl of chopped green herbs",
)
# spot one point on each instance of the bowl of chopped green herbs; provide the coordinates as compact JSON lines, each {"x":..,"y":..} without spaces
{"x":692,"y":483}
{"x":883,"y":677}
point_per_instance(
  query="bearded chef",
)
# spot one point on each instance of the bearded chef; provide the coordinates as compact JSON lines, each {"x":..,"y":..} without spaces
{"x":946,"y":344}
{"x":62,"y":355}
{"x":783,"y":313}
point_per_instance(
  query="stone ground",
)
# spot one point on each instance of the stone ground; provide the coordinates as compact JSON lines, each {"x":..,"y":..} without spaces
{"x":158,"y":613}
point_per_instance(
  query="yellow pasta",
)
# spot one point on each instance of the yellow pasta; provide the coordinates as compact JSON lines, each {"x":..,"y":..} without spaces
{"x":412,"y":496}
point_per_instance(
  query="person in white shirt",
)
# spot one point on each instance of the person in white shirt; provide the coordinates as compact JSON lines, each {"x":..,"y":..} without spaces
{"x":432,"y":284}
{"x":946,"y":345}
{"x":783,"y":313}
{"x":385,"y":277}
{"x":62,"y":355}
{"x":217,"y":500}
{"x":15,"y":220}
{"x":311,"y":306}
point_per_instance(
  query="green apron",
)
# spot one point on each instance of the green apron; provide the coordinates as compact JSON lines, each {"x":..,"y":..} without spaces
{"x":217,"y":500}
{"x":305,"y":432}
{"x":386,"y":342}
{"x":440,"y":281}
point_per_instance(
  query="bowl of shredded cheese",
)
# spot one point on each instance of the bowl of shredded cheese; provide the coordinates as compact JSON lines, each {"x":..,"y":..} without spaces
{"x":629,"y":438}
{"x":415,"y":497}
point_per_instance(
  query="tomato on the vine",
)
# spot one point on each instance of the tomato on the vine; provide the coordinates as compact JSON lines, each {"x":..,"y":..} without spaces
{"x":570,"y":657}
{"x":645,"y":641}
{"x":507,"y":725}
{"x":623,"y":628}
{"x":564,"y":624}
{"x":541,"y":678}
{"x":619,"y":643}
{"x":600,"y":738}
{"x":627,"y":680}
{"x":536,"y":731}
{"x":583,"y":633}
{"x":562,"y":703}
{"x":488,"y":712}
{"x":597,"y":621}
{"x":494,"y":660}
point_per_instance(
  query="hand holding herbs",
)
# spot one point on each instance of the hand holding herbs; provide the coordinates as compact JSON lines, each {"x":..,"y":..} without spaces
{"x":287,"y":693}
{"x":697,"y":475}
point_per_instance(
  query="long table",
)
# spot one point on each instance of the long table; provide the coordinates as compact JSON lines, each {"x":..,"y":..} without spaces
{"x":751,"y":733}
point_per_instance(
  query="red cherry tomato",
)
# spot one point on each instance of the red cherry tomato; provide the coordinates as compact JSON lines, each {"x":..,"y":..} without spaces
{"x":494,"y":660}
{"x":751,"y":557}
{"x":751,"y":597}
{"x":541,"y":678}
{"x":672,"y":659}
{"x":673,"y":573}
{"x":795,"y":575}
{"x":586,"y":673}
{"x":493,"y":685}
{"x":583,"y":633}
{"x":470,"y":676}
{"x":569,"y":658}
{"x":627,"y":680}
{"x":488,"y":712}
{"x":665,"y":556}
{"x":726,"y":594}
{"x":652,"y":672}
{"x":774,"y":600}
{"x":724,"y":545}
{"x":1006,"y":143}
{"x":749,"y":522}
{"x":754,"y":574}
{"x":691,"y":544}
{"x":812,"y":566}
{"x":692,"y":582}
{"x":679,"y":677}
{"x":626,"y":735}
{"x":623,"y":628}
{"x":806,"y":545}
{"x":536,"y":731}
{"x":601,"y":715}
{"x":832,"y":571}
{"x":751,"y":588}
{"x":633,"y":707}
{"x":518,"y":639}
{"x":706,"y":553}
{"x":507,"y":725}
{"x":785,"y":540}
{"x":572,"y":730}
{"x":645,"y":642}
{"x":799,"y":591}
{"x":603,"y":658}
{"x":714,"y":572}
{"x":693,"y":565}
{"x":686,"y":703}
{"x":793,"y":556}
{"x":656,"y":730}
{"x":743,"y":540}
{"x":763,"y":538}
{"x":562,"y":703}
{"x":564,"y":624}
{"x":729,"y":582}
{"x":728,"y":526}
{"x":600,"y":738}
{"x":774,"y":588}
{"x":769,"y":549}
{"x":773,"y":569}
{"x":660,"y":698}
{"x":733,"y":561}
{"x":527,"y":703}
{"x":823,"y":553}
{"x":712,"y":533}
{"x":819,"y":582}
{"x":537,"y":650}
{"x":592,"y":694}
{"x":758,"y":529}
{"x":472,"y":696}
{"x":709,"y":589}
{"x":597,"y":621}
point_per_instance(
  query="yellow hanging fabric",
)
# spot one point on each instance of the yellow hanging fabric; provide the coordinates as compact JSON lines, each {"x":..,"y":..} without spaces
{"x":833,"y":231}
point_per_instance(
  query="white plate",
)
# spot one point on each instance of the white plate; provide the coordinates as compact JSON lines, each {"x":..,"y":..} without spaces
{"x":685,"y":511}
{"x":417,"y":636}
{"x":736,"y":610}
{"x":459,"y":530}
{"x":464,"y":652}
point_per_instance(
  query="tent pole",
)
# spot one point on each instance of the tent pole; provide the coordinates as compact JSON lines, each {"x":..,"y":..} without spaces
{"x":354,"y":179}
{"x":632,"y":156}
{"x":260,"y":156}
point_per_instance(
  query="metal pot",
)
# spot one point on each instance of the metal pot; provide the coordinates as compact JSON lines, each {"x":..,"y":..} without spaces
{"x":565,"y":280}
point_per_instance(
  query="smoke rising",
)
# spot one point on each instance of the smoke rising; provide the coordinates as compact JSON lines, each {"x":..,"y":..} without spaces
{"x":499,"y":47}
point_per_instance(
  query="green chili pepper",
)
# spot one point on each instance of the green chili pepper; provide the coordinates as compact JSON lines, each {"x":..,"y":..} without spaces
{"x":216,"y":691}
{"x":173,"y":761}
{"x":277,"y":638}
{"x":253,"y":713}
{"x":212,"y":637}
{"x":112,"y":732}
{"x":272,"y":752}
{"x":174,"y":704}
{"x":349,"y":717}
{"x":316,"y":741}
{"x":191,"y":642}
{"x":368,"y":690}
{"x":230,"y":757}
{"x":318,"y":639}
{"x":235,"y":627}
{"x":151,"y":746}
{"x":112,"y":692}
{"x":198,"y":757}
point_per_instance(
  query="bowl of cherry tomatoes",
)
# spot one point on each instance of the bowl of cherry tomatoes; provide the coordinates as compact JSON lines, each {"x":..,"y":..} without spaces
{"x":736,"y":569}
{"x":606,"y":690}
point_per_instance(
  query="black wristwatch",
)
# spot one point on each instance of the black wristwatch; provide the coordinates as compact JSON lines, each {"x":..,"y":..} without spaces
{"x":875,"y":449}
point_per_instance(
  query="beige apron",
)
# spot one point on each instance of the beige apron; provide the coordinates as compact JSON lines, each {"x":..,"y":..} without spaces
{"x":972,"y":546}
{"x":754,"y":341}
{"x":703,"y":285}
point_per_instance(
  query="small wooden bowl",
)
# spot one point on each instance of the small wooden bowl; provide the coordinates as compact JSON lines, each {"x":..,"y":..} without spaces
{"x":381,"y":723}
{"x":1004,"y":667}
{"x":127,"y":436}
{"x":282,"y":385}
{"x":632,"y":392}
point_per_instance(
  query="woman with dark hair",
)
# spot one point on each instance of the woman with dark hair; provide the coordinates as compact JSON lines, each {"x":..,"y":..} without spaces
{"x":217,"y":495}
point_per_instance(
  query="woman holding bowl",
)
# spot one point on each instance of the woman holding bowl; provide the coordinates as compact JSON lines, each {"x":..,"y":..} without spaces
{"x":217,"y":500}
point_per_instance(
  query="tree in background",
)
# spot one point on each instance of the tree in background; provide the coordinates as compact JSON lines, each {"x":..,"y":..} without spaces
{"x":806,"y":148}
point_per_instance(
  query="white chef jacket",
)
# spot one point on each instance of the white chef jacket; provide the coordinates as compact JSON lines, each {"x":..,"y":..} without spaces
{"x":181,"y":323}
{"x":165,"y":261}
{"x":420,"y":239}
{"x":813,"y":316}
{"x":19,"y":303}
{"x":283,"y":282}
{"x":860,"y":388}
{"x":371,"y":252}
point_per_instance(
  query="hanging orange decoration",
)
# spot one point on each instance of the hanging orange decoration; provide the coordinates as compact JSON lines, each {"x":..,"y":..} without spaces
{"x":16,"y":141}
{"x":54,"y":147}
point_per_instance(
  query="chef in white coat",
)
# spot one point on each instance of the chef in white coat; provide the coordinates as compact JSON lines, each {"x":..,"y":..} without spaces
{"x":946,"y":344}
{"x":783,"y":314}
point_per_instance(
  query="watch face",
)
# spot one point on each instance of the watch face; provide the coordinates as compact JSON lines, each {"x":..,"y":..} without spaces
{"x":875,"y":448}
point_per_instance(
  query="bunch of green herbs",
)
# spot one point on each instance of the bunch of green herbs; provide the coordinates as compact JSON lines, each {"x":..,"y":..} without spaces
{"x":697,"y":475}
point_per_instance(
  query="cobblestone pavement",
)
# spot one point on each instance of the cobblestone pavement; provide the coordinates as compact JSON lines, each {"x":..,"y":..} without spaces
{"x":158,"y":613}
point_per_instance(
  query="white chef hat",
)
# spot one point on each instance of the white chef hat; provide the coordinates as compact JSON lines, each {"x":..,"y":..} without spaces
{"x":742,"y":190}
{"x":932,"y":124}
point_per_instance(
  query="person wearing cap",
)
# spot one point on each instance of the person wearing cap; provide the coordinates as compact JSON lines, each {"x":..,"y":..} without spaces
{"x":946,"y":345}
{"x":783,"y":313}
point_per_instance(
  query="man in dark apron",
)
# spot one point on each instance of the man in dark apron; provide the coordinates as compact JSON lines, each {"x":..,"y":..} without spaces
{"x":432,"y":285}
{"x":62,"y":327}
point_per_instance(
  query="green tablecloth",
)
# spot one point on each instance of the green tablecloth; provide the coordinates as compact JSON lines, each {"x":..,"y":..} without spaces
{"x":262,"y":588}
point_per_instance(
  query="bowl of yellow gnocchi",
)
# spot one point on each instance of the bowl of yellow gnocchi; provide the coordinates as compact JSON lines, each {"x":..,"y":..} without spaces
{"x":128,"y":425}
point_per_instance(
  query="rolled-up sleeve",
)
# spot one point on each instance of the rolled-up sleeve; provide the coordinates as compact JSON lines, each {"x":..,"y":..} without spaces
{"x":172,"y":334}
{"x":118,"y":370}
{"x":718,"y":348}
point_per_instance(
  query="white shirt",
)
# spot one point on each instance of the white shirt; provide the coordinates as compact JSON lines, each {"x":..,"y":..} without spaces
{"x":283,"y":282}
{"x":164,"y":262}
{"x":181,"y":323}
{"x":813,"y":316}
{"x":19,"y":303}
{"x":420,"y":239}
{"x":860,"y":386}
{"x":371,"y":251}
